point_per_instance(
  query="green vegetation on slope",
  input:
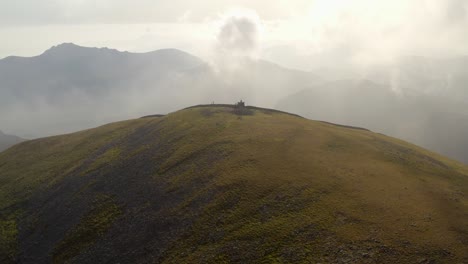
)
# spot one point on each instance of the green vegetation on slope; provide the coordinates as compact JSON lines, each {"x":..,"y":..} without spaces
{"x":8,"y":237}
{"x":204,"y":186}
{"x":92,"y":226}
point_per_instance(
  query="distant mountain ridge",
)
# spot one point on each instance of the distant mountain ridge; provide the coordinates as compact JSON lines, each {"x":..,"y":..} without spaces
{"x":7,"y":141}
{"x":69,"y":66}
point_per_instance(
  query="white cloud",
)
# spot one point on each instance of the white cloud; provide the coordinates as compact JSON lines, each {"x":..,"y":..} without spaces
{"x":239,"y":34}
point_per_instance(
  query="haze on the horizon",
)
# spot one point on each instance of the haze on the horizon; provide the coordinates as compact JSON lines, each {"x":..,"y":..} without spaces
{"x":295,"y":33}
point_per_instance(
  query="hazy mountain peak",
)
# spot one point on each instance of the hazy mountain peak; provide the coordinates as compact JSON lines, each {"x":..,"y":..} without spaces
{"x":71,"y":49}
{"x":66,"y":45}
{"x":63,"y":47}
{"x":170,"y":51}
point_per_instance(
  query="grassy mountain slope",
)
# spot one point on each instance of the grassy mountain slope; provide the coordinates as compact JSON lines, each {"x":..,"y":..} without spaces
{"x":203,"y":185}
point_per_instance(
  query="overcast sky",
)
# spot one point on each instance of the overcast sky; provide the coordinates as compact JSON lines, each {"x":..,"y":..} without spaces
{"x":296,"y":33}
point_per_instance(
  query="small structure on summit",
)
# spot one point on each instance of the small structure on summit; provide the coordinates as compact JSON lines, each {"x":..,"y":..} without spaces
{"x":240,"y":109}
{"x":240,"y":104}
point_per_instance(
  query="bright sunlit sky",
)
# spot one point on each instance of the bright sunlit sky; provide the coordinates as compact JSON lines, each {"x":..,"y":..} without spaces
{"x":294,"y":33}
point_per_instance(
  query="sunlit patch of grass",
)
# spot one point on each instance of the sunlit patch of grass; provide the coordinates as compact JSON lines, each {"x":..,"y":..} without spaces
{"x":8,"y":238}
{"x":106,"y":158}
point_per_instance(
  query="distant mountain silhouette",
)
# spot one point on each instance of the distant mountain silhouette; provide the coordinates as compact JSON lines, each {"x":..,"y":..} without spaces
{"x":91,"y":71}
{"x":7,"y":141}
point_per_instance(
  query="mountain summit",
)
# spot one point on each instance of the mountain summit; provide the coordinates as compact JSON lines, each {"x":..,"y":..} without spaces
{"x":65,"y":48}
{"x":211,"y":184}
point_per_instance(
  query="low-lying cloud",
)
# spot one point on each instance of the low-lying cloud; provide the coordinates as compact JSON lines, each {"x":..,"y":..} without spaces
{"x":239,"y":35}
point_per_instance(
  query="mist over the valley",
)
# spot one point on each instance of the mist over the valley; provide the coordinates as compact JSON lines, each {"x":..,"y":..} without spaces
{"x":405,"y":74}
